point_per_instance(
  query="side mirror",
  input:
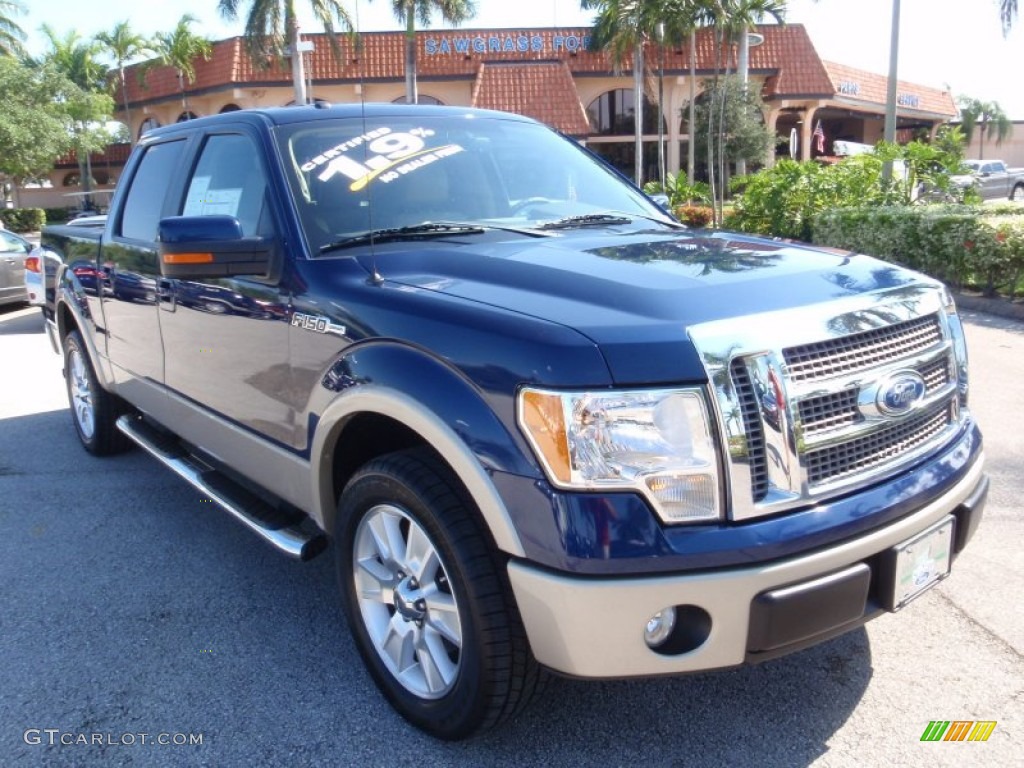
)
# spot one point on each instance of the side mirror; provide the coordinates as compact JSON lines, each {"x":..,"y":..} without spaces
{"x":210,"y":246}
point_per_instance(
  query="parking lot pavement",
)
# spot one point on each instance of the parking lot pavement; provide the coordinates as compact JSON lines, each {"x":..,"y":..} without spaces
{"x":130,"y":607}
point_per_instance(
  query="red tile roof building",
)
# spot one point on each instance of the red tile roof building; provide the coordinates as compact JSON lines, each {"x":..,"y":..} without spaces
{"x":550,"y":75}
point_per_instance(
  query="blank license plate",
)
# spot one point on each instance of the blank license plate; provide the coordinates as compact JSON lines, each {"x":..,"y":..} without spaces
{"x":922,"y":562}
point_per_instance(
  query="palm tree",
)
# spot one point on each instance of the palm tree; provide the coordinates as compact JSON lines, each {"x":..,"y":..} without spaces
{"x":408,"y":11}
{"x":179,"y":49}
{"x":623,"y":27}
{"x":11,"y":35}
{"x":123,"y":44}
{"x":1008,"y":14}
{"x":272,"y":31}
{"x":988,"y":117}
{"x":77,"y":59}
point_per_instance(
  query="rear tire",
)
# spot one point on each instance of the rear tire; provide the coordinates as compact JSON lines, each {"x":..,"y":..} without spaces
{"x":94,"y":411}
{"x":1017,"y":195}
{"x":427,"y":599}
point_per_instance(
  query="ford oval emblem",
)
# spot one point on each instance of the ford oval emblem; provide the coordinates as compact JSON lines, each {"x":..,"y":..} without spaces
{"x":900,"y":392}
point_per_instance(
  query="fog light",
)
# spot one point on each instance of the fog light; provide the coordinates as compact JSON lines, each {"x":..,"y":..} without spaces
{"x":659,"y":627}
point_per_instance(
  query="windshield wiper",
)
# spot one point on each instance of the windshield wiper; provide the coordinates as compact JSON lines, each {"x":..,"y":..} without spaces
{"x":586,"y":220}
{"x":427,"y":229}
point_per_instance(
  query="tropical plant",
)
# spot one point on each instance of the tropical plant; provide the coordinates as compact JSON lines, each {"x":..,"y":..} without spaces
{"x":87,"y":107}
{"x":76,"y":58}
{"x":33,"y":122}
{"x":180,"y":48}
{"x":11,"y":35}
{"x":623,"y":27}
{"x":272,"y":32}
{"x":988,"y":117}
{"x":408,"y":11}
{"x":123,"y":44}
{"x":731,"y":19}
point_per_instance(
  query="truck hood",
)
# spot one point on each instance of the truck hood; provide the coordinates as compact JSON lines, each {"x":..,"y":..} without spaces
{"x":636,"y":294}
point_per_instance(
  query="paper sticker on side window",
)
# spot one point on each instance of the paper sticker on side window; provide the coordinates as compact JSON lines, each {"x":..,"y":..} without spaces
{"x":390,"y":155}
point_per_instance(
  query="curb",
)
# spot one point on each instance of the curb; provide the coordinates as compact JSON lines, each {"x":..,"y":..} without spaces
{"x":1014,"y":310}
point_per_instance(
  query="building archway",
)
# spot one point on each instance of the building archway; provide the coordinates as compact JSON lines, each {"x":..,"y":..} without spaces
{"x":187,"y":115}
{"x":612,"y":117}
{"x":229,"y":108}
{"x":148,"y":125}
{"x":422,"y":99}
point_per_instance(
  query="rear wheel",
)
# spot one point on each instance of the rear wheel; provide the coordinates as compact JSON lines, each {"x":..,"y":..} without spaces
{"x":94,"y":411}
{"x":1018,"y":193}
{"x":426,"y":597}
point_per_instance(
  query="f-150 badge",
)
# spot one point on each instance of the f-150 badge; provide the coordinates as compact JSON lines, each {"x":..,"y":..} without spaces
{"x":317,"y":323}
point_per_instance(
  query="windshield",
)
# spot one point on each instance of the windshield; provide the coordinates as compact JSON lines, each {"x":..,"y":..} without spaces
{"x":353,"y":176}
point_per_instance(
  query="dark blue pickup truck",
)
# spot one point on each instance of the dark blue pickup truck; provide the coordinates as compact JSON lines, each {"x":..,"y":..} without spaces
{"x":542,"y":425}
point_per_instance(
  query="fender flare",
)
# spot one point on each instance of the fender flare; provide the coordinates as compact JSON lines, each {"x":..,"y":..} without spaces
{"x":389,"y":379}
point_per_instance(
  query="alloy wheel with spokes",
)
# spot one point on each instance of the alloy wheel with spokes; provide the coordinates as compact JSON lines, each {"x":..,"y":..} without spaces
{"x":406,"y":601}
{"x":427,"y":598}
{"x":80,"y":393}
{"x":94,"y":410}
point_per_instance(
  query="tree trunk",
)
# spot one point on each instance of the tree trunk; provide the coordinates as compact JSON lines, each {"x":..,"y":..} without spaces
{"x":127,"y":111}
{"x":411,"y":94}
{"x":298,"y":64}
{"x":638,"y":102}
{"x":691,"y":157}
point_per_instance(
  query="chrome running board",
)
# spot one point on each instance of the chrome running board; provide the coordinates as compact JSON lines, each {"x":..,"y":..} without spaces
{"x":258,"y":516}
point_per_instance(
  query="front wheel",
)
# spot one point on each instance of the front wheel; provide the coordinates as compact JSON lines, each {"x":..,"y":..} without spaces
{"x":94,"y":411}
{"x":427,"y":601}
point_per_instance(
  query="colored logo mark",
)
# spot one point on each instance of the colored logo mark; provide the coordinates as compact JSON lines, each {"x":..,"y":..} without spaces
{"x":958,"y":730}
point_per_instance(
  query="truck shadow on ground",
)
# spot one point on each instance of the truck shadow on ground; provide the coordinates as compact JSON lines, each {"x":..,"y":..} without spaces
{"x":164,"y":614}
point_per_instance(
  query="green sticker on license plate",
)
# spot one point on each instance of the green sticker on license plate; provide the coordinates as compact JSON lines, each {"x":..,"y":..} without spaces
{"x":922,"y":562}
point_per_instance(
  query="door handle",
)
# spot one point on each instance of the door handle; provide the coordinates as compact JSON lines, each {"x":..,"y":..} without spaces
{"x":167,"y":296}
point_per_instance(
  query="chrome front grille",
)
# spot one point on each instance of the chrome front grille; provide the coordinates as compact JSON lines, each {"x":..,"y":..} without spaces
{"x":837,"y":461}
{"x":861,"y":351}
{"x":802,"y":395}
{"x":829,"y":411}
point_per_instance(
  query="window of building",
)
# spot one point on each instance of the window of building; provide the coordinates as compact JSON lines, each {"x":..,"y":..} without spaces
{"x":229,"y":108}
{"x":613,"y":112}
{"x":148,"y":125}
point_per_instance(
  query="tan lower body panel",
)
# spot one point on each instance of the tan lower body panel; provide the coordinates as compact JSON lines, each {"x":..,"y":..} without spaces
{"x":590,"y":627}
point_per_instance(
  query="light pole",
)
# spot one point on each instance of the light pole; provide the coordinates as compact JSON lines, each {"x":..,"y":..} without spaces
{"x":748,"y":40}
{"x":890,"y":95}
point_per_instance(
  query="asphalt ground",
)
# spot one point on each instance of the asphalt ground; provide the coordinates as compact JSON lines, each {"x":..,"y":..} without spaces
{"x":128,"y":606}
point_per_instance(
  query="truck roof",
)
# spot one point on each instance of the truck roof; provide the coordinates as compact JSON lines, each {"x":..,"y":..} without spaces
{"x":324,"y":111}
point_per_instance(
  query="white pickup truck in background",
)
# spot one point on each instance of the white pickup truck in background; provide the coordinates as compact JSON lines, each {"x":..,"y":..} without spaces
{"x":993,"y":180}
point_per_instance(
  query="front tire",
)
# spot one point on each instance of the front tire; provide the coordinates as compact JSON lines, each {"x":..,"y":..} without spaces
{"x":427,"y":600}
{"x":94,"y":411}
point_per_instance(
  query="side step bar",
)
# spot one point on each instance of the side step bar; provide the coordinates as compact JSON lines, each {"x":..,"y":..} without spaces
{"x":246,"y":507}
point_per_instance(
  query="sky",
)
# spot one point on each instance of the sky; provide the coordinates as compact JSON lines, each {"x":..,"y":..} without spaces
{"x":943,"y":43}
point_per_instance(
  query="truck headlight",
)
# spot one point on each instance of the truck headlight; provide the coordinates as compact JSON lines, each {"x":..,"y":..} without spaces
{"x":956,"y":331}
{"x":657,"y":442}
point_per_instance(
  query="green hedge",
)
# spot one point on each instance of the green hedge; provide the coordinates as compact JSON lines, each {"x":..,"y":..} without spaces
{"x":23,"y":219}
{"x":58,"y":215}
{"x":964,"y":246}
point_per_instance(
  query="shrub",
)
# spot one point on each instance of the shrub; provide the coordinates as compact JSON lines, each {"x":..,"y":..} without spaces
{"x":23,"y":219}
{"x":961,"y":245}
{"x":695,"y":215}
{"x":57,"y":215}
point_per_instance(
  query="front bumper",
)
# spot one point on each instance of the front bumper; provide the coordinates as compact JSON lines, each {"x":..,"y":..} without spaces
{"x":592,"y":627}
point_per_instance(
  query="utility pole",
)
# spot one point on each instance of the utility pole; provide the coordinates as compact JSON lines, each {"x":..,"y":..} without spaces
{"x":890,"y":97}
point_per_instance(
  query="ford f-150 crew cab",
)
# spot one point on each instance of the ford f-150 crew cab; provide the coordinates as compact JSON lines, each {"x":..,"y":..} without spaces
{"x":543,"y":426}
